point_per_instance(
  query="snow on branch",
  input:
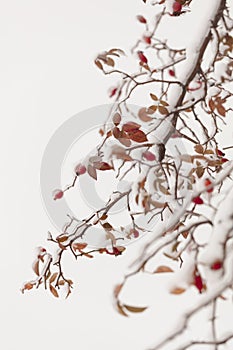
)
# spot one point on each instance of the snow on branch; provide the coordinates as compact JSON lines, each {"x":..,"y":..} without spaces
{"x":176,"y":174}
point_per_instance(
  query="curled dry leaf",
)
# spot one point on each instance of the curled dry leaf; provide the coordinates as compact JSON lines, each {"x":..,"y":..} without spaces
{"x":162,"y":269}
{"x":143,"y":115}
{"x":35,"y":267}
{"x":103,"y":166}
{"x":120,"y":309}
{"x":177,"y":291}
{"x":79,"y":246}
{"x":117,"y":290}
{"x":61,"y":239}
{"x":135,"y":308}
{"x":88,"y":255}
{"x":27,"y":286}
{"x":99,"y":64}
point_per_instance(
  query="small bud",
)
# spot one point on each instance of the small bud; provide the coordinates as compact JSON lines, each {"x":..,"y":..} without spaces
{"x":207,"y":183}
{"x":217,"y":265}
{"x":142,"y":57}
{"x":58,"y":194}
{"x":220,"y":153}
{"x":141,"y":19}
{"x":198,"y":282}
{"x":80,"y":169}
{"x":147,"y":39}
{"x":112,"y":92}
{"x":116,"y":119}
{"x":224,"y":160}
{"x":171,"y":73}
{"x":197,"y":200}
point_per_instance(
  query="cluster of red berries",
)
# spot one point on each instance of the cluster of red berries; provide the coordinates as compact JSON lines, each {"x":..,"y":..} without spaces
{"x":221,"y":155}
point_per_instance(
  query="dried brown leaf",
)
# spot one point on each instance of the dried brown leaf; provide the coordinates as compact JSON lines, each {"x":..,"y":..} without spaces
{"x":162,"y":269}
{"x":121,"y":310}
{"x":200,"y":171}
{"x":53,"y":291}
{"x":152,"y":109}
{"x":143,"y":115}
{"x":35,"y":267}
{"x":117,"y":290}
{"x":107,"y":226}
{"x":154,"y":97}
{"x":138,"y":136}
{"x":177,"y":291}
{"x":163,"y":110}
{"x":62,"y":239}
{"x":99,"y":64}
{"x":164,"y":190}
{"x":199,"y":149}
{"x":53,"y":277}
{"x":221,"y":110}
{"x":92,"y":172}
{"x":135,"y":308}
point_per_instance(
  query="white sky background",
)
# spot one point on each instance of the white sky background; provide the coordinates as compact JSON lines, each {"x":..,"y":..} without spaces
{"x":46,"y":76}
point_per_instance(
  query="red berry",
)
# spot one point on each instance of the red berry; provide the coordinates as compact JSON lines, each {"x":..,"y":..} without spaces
{"x":198,"y":282}
{"x":171,"y":73}
{"x":135,"y":233}
{"x":217,"y":265}
{"x":141,"y":19}
{"x":115,"y":251}
{"x":113,"y":92}
{"x":177,"y":7}
{"x":149,"y":156}
{"x":224,"y":160}
{"x":147,"y":39}
{"x":220,"y":153}
{"x":80,"y":169}
{"x":207,"y":184}
{"x":142,"y":57}
{"x":58,"y":194}
{"x":42,"y":250}
{"x":197,"y":200}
